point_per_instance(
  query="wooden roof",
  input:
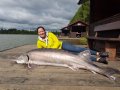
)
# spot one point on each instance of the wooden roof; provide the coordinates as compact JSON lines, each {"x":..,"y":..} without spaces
{"x":108,"y":26}
{"x":78,"y":23}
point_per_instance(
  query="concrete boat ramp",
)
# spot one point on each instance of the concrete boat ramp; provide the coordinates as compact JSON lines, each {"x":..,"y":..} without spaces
{"x":18,"y":77}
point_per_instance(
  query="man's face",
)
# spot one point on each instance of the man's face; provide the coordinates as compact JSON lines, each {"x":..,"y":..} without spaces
{"x":41,"y":33}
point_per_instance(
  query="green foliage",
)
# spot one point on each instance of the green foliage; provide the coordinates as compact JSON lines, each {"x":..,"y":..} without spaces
{"x":83,"y":40}
{"x":15,"y":31}
{"x":83,"y":13}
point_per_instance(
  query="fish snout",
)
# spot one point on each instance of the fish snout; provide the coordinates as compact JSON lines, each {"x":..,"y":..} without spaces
{"x":22,"y":59}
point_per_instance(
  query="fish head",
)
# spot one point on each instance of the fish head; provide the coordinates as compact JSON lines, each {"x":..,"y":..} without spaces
{"x":22,"y":59}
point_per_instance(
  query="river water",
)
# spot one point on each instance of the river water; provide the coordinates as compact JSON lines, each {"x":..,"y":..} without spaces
{"x":8,"y":41}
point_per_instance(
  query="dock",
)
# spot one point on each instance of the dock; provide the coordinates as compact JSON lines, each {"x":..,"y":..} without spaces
{"x":18,"y":77}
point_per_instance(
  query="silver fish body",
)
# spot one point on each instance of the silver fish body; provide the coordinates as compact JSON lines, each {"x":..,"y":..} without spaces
{"x":63,"y":58}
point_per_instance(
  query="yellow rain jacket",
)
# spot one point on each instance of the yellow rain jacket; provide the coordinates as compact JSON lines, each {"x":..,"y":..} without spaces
{"x":51,"y":41}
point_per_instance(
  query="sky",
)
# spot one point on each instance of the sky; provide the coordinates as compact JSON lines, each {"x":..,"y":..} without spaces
{"x":29,"y":14}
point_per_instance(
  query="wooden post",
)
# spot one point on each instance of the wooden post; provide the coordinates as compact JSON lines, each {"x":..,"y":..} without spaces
{"x":111,"y":48}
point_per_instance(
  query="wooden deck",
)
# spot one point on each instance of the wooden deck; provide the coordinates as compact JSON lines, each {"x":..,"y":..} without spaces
{"x":18,"y":77}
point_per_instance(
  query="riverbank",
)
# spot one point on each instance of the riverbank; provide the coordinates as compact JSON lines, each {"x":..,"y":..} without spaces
{"x":18,"y":77}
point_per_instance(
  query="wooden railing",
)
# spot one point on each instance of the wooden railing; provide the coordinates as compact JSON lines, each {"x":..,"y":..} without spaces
{"x":105,"y":39}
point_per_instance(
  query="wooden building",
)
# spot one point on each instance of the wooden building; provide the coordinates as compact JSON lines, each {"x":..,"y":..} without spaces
{"x":104,"y":29}
{"x":74,"y":30}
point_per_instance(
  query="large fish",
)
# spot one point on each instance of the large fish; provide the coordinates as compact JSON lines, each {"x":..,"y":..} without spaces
{"x":63,"y":58}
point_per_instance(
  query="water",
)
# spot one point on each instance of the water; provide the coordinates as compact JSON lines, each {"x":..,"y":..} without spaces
{"x":8,"y":41}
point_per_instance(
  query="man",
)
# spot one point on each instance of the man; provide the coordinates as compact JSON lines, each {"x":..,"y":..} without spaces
{"x":49,"y":40}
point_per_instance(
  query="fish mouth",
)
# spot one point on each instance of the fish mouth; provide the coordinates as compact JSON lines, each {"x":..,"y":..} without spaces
{"x":20,"y":61}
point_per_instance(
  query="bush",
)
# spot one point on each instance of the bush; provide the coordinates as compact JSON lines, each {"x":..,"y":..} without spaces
{"x":83,"y":41}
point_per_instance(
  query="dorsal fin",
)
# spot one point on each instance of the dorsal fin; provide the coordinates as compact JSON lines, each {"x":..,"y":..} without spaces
{"x":85,"y":54}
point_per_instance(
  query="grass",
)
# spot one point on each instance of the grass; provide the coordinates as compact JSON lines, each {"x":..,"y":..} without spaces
{"x":83,"y":41}
{"x":76,"y":41}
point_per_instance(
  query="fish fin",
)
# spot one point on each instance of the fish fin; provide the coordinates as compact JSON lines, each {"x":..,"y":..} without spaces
{"x":93,"y":72}
{"x":73,"y":68}
{"x":112,"y":78}
{"x":85,"y":54}
{"x":108,"y":71}
{"x":29,"y":65}
{"x":111,"y":71}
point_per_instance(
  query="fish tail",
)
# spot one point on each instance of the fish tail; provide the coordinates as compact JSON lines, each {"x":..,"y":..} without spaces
{"x":106,"y":71}
{"x":110,"y":71}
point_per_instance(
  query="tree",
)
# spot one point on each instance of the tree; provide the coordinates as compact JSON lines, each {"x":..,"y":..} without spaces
{"x":83,"y":12}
